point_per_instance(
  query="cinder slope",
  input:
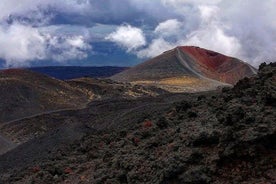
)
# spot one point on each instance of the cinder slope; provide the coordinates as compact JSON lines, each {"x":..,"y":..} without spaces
{"x":163,"y":66}
{"x":26,"y":96}
{"x":24,"y":93}
{"x":217,"y":66}
{"x":188,"y":69}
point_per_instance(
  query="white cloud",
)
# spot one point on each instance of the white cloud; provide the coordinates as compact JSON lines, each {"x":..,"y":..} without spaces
{"x":21,"y":44}
{"x":210,"y":34}
{"x":128,"y":37}
{"x":208,"y":13}
{"x":29,"y":39}
{"x":77,"y":42}
{"x":181,"y":2}
{"x":253,"y":27}
{"x":214,"y":38}
{"x":156,"y":47}
{"x":24,"y":7}
{"x":66,"y":48}
{"x":168,"y":27}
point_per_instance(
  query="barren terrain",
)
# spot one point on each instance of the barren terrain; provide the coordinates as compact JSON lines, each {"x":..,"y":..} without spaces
{"x":223,"y":136}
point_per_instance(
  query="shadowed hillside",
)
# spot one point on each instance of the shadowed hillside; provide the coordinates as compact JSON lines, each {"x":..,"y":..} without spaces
{"x":24,"y":93}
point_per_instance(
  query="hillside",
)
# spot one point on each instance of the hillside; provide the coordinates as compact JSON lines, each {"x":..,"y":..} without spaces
{"x":210,"y":137}
{"x":24,"y":93}
{"x":187,"y":69}
{"x":100,"y":89}
{"x":27,"y":96}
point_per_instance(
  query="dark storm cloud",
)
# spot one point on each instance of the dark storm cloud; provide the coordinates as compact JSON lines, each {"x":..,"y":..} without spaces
{"x":137,"y":13}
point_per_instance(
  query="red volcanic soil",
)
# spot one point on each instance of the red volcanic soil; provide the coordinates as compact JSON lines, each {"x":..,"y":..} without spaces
{"x":218,"y":66}
{"x":210,"y":59}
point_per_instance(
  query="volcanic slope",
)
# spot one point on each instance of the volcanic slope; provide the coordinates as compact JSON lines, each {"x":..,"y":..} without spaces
{"x":188,"y":69}
{"x":24,"y":93}
{"x":210,"y":137}
{"x":100,"y":89}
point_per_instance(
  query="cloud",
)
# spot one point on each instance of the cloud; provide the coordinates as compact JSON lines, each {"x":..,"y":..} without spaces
{"x":26,"y":37}
{"x":156,"y":47}
{"x":22,"y":44}
{"x":25,"y":7}
{"x":66,"y":48}
{"x":210,"y":34}
{"x":168,"y":27}
{"x":219,"y":25}
{"x":213,"y":37}
{"x":254,"y":28}
{"x":128,"y":37}
{"x":243,"y":29}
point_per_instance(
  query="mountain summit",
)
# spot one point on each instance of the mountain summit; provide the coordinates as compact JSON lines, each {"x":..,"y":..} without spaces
{"x":189,"y":69}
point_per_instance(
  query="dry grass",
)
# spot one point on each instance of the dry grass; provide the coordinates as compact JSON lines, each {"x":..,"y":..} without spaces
{"x":174,"y":81}
{"x":180,"y":81}
{"x":179,"y":84}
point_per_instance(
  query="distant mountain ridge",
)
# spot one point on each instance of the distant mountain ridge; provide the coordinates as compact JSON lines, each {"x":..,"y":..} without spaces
{"x":188,"y":69}
{"x":72,"y":72}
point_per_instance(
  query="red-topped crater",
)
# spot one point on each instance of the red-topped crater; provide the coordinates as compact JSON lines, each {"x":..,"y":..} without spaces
{"x":218,"y":66}
{"x":191,"y":68}
{"x":208,"y":58}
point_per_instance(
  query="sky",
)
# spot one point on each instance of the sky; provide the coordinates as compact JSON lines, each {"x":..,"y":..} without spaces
{"x":127,"y":32}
